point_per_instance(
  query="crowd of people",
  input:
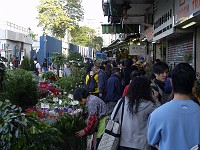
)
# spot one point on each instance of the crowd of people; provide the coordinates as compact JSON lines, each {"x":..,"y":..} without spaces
{"x":159,"y":112}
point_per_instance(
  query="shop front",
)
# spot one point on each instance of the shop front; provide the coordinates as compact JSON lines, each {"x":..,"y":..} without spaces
{"x":176,"y":32}
{"x":162,"y":29}
{"x":187,"y":18}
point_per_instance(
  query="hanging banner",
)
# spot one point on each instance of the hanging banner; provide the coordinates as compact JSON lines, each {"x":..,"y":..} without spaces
{"x":149,"y":34}
{"x":137,"y":50}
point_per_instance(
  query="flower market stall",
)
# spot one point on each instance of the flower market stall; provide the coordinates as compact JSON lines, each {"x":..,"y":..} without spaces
{"x":41,"y":115}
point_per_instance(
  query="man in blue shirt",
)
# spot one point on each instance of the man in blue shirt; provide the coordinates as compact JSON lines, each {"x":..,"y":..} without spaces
{"x":176,"y":124}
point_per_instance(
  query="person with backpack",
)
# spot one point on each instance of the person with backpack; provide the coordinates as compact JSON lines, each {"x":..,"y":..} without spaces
{"x":91,"y":82}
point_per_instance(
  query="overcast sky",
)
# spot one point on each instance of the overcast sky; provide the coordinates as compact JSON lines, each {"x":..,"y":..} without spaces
{"x":24,"y":12}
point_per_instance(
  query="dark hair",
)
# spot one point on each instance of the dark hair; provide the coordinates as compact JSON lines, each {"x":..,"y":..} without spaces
{"x":152,"y":76}
{"x":80,"y":93}
{"x":134,"y":74}
{"x":108,"y":70}
{"x":122,"y":62}
{"x":157,"y":60}
{"x":160,"y":67}
{"x":142,"y":72}
{"x":102,"y":67}
{"x":115,"y":69}
{"x":183,"y":78}
{"x":113,"y":62}
{"x":89,"y":68}
{"x":139,"y":89}
{"x":129,"y":62}
{"x":104,"y":63}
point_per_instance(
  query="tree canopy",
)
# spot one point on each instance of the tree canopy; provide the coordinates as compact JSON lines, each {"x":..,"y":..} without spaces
{"x":74,"y":9}
{"x":85,"y":36}
{"x":58,"y":59}
{"x":58,"y":16}
{"x":75,"y":56}
{"x":82,"y":36}
{"x":97,"y":42}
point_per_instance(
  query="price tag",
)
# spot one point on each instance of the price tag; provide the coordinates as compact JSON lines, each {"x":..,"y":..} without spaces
{"x":55,"y":99}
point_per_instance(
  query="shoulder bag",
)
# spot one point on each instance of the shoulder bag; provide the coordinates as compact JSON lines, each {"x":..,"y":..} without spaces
{"x":111,"y":138}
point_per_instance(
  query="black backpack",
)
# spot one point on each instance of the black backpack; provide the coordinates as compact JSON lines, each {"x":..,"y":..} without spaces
{"x":91,"y":84}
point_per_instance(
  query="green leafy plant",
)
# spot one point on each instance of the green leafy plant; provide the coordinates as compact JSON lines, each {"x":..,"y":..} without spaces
{"x":49,"y":76}
{"x":187,"y":57}
{"x":25,"y":64}
{"x":69,"y":84}
{"x":68,"y":125}
{"x":22,"y":89}
{"x":21,"y":132}
{"x":75,"y":56}
{"x":31,"y":64}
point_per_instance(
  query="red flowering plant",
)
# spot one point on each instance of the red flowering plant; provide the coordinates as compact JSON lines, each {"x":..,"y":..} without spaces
{"x":46,"y":89}
{"x":44,"y":116}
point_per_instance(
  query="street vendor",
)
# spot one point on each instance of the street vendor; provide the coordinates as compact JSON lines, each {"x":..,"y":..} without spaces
{"x":97,"y":115}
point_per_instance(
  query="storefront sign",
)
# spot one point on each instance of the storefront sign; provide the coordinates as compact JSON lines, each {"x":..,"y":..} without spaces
{"x":137,"y":50}
{"x":163,"y":25}
{"x":164,"y":18}
{"x":185,"y":9}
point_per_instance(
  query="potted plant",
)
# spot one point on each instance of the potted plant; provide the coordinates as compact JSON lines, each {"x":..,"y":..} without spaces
{"x":187,"y":57}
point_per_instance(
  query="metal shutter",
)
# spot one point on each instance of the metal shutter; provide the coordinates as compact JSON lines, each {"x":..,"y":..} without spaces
{"x":178,"y":47}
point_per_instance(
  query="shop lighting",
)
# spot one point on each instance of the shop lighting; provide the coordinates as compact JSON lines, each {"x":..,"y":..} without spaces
{"x":144,"y":39}
{"x":138,"y":43}
{"x":188,"y":25}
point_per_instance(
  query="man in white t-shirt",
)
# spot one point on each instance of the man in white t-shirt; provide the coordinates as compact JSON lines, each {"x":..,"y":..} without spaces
{"x":36,"y":67}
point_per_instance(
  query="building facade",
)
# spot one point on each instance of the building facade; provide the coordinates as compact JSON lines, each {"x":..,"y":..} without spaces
{"x":14,"y":41}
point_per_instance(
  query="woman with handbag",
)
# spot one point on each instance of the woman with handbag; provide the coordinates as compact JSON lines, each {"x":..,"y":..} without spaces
{"x":97,"y":114}
{"x":140,"y":101}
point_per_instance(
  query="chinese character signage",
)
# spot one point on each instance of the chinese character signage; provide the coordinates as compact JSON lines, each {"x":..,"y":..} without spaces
{"x":137,"y":50}
{"x":186,"y":9}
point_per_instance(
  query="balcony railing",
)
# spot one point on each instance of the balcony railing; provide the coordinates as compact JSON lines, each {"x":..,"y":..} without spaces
{"x":5,"y":25}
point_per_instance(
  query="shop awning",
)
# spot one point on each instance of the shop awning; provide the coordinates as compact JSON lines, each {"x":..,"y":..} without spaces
{"x":117,"y":28}
{"x":115,"y":45}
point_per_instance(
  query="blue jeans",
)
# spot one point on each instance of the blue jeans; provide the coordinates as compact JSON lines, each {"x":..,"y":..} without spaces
{"x":45,"y":69}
